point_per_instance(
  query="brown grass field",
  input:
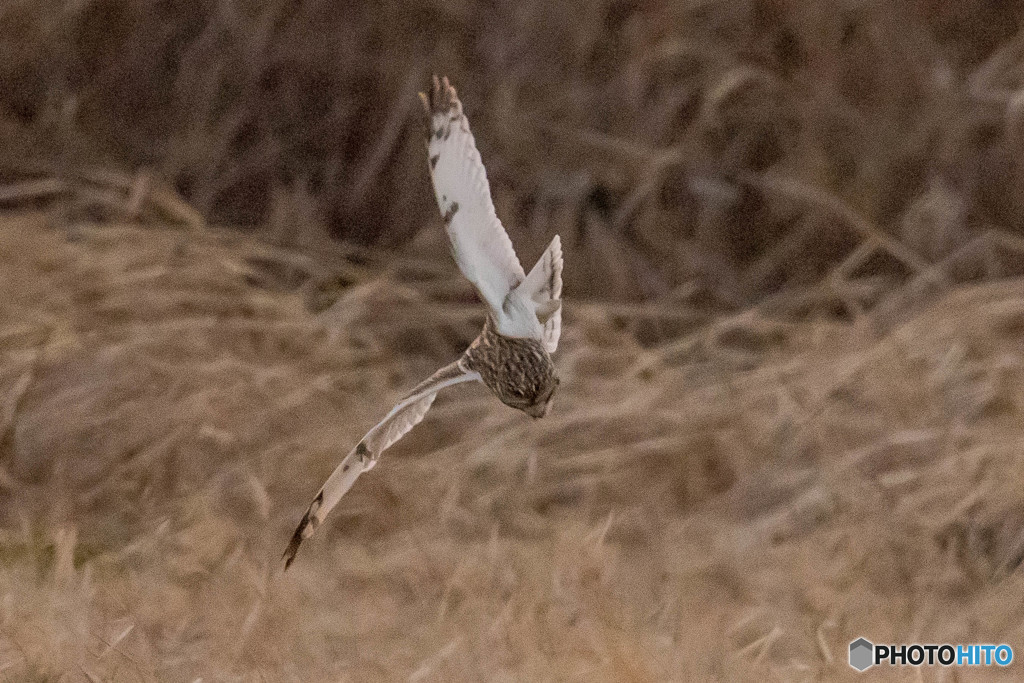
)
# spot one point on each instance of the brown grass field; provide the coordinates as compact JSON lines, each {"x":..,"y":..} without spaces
{"x":792,"y":400}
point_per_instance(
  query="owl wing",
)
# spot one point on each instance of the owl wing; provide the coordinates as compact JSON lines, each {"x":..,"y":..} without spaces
{"x":480,"y":244}
{"x":543,"y":289}
{"x":403,"y":417}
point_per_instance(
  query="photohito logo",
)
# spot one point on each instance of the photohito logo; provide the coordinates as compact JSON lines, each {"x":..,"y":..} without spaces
{"x":864,"y":654}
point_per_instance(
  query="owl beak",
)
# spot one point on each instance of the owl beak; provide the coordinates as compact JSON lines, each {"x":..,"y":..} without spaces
{"x":539,"y":410}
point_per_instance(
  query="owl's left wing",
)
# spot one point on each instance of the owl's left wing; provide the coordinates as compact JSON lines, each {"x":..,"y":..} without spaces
{"x":403,"y":417}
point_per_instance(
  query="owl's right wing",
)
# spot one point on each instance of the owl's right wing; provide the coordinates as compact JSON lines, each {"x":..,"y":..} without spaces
{"x":403,"y":417}
{"x":480,"y":244}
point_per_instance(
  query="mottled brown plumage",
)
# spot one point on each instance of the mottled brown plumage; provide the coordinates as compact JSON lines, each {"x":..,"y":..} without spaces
{"x":518,"y":371}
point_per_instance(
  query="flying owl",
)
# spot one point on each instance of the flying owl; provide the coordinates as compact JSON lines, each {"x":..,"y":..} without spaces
{"x":512,"y":354}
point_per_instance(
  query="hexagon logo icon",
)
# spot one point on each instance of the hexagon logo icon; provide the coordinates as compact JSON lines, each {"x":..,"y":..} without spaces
{"x":861,"y":654}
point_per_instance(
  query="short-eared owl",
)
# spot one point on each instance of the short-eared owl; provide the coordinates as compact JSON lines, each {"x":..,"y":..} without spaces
{"x":511,"y":356}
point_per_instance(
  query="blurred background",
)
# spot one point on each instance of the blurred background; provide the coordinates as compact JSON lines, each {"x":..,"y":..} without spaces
{"x":791,"y":398}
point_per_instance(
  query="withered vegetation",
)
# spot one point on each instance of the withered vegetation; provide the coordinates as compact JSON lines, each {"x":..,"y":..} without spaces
{"x":792,"y":378}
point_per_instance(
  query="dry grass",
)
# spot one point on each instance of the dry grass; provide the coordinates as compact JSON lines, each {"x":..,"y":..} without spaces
{"x":792,"y":394}
{"x":740,"y":503}
{"x":633,"y":129}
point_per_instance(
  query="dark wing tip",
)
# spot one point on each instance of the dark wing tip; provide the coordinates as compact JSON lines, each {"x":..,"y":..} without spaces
{"x":293,"y":544}
{"x":442,"y":98}
{"x":309,"y":522}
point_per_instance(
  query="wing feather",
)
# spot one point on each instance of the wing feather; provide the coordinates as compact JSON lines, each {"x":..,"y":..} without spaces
{"x":481,"y":246}
{"x":543,"y":288}
{"x":403,"y":417}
